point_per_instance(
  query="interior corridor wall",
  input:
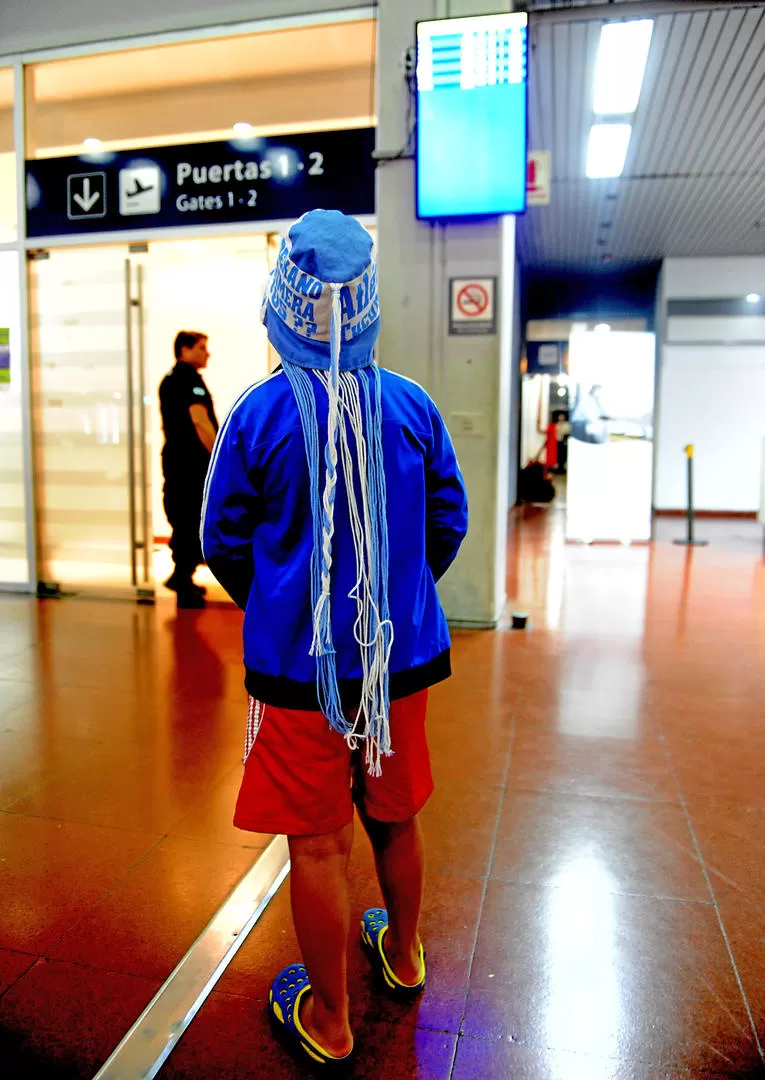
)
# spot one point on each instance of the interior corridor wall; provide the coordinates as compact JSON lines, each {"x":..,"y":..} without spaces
{"x":712,"y":383}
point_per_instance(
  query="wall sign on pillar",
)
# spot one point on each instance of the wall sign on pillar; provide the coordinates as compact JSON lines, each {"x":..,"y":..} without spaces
{"x":259,"y":179}
{"x":538,"y":178}
{"x":472,"y":308}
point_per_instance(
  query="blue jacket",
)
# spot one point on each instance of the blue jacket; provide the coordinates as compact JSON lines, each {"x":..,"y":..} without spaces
{"x":257,"y":540}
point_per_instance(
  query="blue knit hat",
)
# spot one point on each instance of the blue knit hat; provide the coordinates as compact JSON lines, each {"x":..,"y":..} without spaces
{"x":326,"y":255}
{"x":322,"y":316}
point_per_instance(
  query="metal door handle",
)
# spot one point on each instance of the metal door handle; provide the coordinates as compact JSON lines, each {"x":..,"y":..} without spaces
{"x":131,"y":421}
{"x":145,"y":516}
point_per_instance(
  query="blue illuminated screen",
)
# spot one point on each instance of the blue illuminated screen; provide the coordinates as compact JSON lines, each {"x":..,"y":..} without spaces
{"x":471,"y":116}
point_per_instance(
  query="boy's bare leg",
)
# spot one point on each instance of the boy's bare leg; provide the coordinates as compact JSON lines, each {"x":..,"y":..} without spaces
{"x":321,"y":913}
{"x":400,"y":860}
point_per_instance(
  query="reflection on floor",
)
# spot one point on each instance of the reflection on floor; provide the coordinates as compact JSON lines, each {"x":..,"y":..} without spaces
{"x":596,"y":906}
{"x":163,"y":568}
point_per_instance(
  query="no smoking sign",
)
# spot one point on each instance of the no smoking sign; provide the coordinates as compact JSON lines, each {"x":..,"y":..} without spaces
{"x":472,"y":306}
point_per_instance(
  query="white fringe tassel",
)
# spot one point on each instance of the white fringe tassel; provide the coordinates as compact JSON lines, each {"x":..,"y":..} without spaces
{"x":255,"y":714}
{"x":372,"y":721}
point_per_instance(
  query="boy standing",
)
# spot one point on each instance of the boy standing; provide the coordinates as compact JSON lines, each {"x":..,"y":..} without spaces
{"x":333,"y":504}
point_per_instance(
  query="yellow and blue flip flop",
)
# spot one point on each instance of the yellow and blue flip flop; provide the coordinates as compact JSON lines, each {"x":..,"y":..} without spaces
{"x":287,"y":992}
{"x":374,"y":927}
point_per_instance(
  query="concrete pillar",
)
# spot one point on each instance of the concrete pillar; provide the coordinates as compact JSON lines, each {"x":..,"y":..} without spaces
{"x":468,"y":377}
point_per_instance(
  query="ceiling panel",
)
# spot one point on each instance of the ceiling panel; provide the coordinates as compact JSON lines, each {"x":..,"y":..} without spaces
{"x":294,"y":51}
{"x":694,"y":180}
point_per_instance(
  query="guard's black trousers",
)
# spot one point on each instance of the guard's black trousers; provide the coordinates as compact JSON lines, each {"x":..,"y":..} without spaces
{"x":183,"y":507}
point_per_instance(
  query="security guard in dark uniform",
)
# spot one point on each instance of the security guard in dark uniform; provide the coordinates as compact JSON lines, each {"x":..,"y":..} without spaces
{"x":190,"y":426}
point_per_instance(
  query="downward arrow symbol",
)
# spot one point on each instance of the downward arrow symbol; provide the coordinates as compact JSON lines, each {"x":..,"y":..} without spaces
{"x":86,"y":200}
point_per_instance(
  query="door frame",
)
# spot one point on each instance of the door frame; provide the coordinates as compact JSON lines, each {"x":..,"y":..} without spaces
{"x":125,"y":241}
{"x":141,"y":586}
{"x":22,"y":245}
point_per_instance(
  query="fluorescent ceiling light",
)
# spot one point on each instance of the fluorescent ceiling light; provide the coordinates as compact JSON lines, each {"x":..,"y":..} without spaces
{"x":620,"y":66}
{"x":607,"y":150}
{"x":92,"y":144}
{"x":242,"y":128}
{"x":753,"y":298}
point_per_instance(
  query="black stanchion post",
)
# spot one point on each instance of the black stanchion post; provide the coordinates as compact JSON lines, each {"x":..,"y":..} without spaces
{"x":691,"y":540}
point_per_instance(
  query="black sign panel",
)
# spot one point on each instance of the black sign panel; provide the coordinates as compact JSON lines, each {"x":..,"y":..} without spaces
{"x":258,"y":179}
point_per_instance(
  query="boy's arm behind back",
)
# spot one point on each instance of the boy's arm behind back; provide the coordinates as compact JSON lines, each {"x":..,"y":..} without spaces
{"x":229,"y":515}
{"x":446,"y":500}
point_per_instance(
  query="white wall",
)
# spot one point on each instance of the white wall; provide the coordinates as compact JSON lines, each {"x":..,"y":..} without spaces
{"x":712,"y":388}
{"x":689,"y":279}
{"x":714,"y":397}
{"x":42,"y":24}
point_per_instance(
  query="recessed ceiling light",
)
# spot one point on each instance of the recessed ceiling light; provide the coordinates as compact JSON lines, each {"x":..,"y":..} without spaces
{"x":753,"y":298}
{"x":620,"y":66}
{"x":242,"y":129}
{"x":92,"y":144}
{"x":607,"y":150}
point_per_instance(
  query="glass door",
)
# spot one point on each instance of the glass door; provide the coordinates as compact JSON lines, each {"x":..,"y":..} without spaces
{"x":93,"y":480}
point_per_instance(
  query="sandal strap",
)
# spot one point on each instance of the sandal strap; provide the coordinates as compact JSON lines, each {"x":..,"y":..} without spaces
{"x":287,"y":992}
{"x":374,"y":927}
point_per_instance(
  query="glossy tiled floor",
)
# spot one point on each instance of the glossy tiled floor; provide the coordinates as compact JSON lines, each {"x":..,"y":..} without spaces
{"x":596,"y":902}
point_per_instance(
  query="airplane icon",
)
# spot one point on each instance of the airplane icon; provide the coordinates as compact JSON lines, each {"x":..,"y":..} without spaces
{"x":140,"y":190}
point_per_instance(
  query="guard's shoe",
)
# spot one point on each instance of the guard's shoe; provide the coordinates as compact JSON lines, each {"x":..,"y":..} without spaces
{"x":191,"y":599}
{"x":175,"y":584}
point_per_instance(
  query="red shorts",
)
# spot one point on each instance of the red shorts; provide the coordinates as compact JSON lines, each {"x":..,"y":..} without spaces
{"x":300,"y":777}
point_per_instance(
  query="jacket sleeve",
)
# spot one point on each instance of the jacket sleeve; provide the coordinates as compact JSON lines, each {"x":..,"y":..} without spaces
{"x":230,"y":513}
{"x":446,"y":500}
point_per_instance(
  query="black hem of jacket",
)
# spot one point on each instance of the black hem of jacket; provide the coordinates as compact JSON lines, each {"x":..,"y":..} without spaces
{"x":284,"y":693}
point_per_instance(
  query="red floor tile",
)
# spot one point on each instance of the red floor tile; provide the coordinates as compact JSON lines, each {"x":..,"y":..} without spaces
{"x":55,"y":871}
{"x":584,"y":713}
{"x":744,"y":923}
{"x":498,"y":1059}
{"x":149,"y":920}
{"x":731,"y":838}
{"x":609,"y":844}
{"x":621,"y":977}
{"x":211,"y":818}
{"x":457,"y":754}
{"x":458,"y":823}
{"x":130,"y":789}
{"x":720,"y":770}
{"x":14,"y":696}
{"x":12,"y":967}
{"x":230,"y":1039}
{"x":135,"y":717}
{"x":27,"y":764}
{"x":619,"y":768}
{"x":63,"y":1021}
